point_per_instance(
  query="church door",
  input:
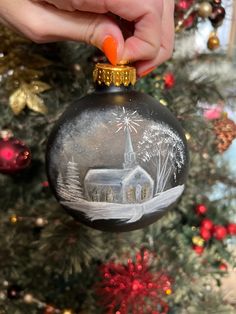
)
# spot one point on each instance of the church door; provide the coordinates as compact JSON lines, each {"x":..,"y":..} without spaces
{"x":138,"y":193}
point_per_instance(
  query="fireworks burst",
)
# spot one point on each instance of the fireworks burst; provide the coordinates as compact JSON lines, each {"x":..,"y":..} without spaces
{"x":127,"y":120}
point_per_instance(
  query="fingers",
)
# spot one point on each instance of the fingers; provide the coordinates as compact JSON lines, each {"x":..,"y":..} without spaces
{"x":51,"y":20}
{"x":46,"y":23}
{"x":167,"y":41}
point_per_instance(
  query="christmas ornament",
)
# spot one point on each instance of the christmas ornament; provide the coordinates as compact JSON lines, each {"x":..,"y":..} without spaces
{"x":183,"y":5}
{"x":231,"y":228}
{"x":205,"y":234}
{"x":14,"y":219}
{"x":217,"y":16}
{"x":213,"y":42}
{"x":14,"y":292}
{"x":216,"y":2}
{"x":133,"y":288}
{"x":225,"y":131}
{"x":213,"y":113}
{"x":49,"y":310}
{"x":169,"y":80}
{"x":198,"y":241}
{"x":207,"y":224}
{"x":14,"y":155}
{"x":117,"y":160}
{"x":204,"y":9}
{"x":223,"y":267}
{"x":22,"y":69}
{"x":201,"y":209}
{"x":198,"y":249}
{"x":26,"y":96}
{"x":219,"y":232}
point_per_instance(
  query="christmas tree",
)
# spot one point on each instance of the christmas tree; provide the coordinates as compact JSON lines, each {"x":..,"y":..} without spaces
{"x":50,"y":263}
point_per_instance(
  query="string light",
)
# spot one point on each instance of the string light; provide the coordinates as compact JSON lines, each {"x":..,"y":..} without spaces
{"x":15,"y":292}
{"x":38,"y":221}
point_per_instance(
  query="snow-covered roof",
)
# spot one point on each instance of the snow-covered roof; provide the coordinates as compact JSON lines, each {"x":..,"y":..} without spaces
{"x":110,"y":176}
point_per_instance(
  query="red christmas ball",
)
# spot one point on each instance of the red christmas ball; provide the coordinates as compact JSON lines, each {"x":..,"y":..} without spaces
{"x":207,"y":224}
{"x":14,"y":155}
{"x":169,"y":80}
{"x":223,"y":267}
{"x":183,"y":5}
{"x":198,"y":249}
{"x":219,"y":232}
{"x":201,"y":209}
{"x":231,"y":228}
{"x":205,"y":234}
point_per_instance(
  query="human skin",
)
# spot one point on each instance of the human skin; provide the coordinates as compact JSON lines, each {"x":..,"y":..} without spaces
{"x":94,"y":22}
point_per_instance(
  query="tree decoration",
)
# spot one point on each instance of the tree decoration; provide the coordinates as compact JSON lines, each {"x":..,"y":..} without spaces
{"x":219,"y":232}
{"x":201,"y":209}
{"x":217,"y":16}
{"x":205,"y":234}
{"x":225,"y":131}
{"x":15,"y":156}
{"x":207,"y":224}
{"x":213,"y":42}
{"x":133,"y":288}
{"x":231,"y":228}
{"x":204,"y":9}
{"x":213,"y":113}
{"x":140,"y":178}
{"x":169,"y":80}
{"x":198,"y":249}
{"x":198,"y":241}
{"x":20,"y":71}
{"x":27,"y":96}
{"x":223,"y":267}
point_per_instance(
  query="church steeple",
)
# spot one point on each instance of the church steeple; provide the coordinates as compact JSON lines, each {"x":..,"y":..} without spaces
{"x":129,"y":155}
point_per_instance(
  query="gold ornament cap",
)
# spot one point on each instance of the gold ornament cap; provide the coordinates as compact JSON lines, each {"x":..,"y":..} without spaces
{"x":117,"y":75}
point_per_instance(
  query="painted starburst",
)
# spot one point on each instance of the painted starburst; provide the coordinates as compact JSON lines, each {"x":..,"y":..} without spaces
{"x":127,"y":120}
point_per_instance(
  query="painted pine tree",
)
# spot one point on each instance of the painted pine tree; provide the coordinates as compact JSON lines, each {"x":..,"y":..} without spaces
{"x":62,"y":188}
{"x":73,"y":184}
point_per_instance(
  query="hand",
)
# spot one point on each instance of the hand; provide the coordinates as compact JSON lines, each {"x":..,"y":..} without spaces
{"x":91,"y":21}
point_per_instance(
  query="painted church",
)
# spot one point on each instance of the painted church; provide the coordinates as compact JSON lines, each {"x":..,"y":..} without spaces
{"x":132,"y":184}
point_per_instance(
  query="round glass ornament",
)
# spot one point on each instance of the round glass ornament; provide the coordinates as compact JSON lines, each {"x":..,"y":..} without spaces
{"x":117,"y":159}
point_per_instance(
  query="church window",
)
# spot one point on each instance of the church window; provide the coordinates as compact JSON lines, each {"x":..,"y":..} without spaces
{"x":109,"y":195}
{"x":95,"y":195}
{"x":131,"y":194}
{"x":145,"y":192}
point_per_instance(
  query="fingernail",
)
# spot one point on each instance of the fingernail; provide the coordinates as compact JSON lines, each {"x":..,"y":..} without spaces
{"x":109,"y":47}
{"x":146,"y":72}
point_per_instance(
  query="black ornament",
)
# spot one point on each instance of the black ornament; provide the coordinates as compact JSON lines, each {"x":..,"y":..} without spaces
{"x":14,"y":292}
{"x":217,"y":16}
{"x":117,"y":159}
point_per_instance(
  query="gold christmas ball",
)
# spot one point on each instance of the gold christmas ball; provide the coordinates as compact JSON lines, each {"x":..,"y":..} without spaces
{"x":67,"y":312}
{"x":14,"y":219}
{"x":205,"y":9}
{"x":213,"y":42}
